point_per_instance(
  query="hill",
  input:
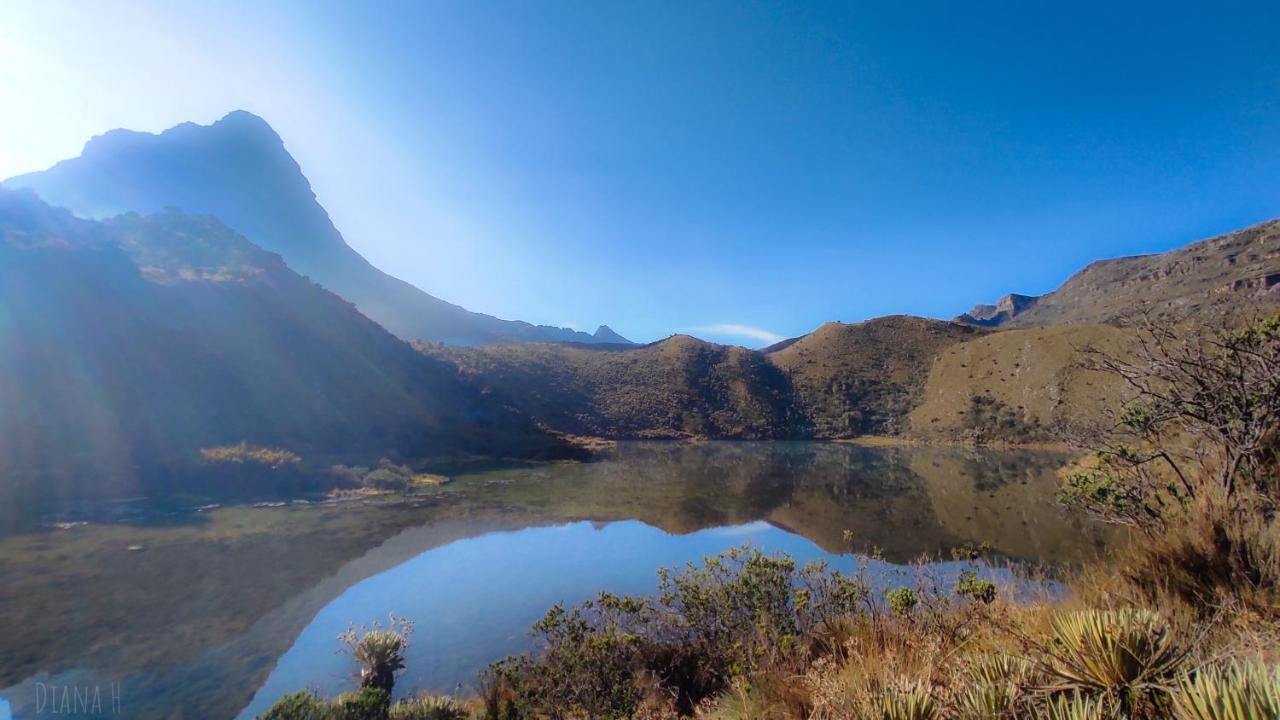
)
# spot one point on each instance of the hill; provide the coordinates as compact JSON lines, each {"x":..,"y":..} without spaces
{"x":1017,"y":385}
{"x":863,"y":378}
{"x":839,"y":381}
{"x":681,"y":387}
{"x":1008,"y":372}
{"x":127,"y":346}
{"x":238,"y":170}
{"x":1219,"y":278}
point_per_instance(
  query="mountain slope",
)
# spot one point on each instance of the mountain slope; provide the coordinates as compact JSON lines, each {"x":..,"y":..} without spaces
{"x":681,"y":387}
{"x":839,"y":381}
{"x":1021,"y":385}
{"x":1211,"y":280}
{"x":238,"y":170}
{"x":863,"y":378}
{"x":128,"y":345}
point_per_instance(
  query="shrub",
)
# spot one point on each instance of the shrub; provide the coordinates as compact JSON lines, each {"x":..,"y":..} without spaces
{"x":246,"y":453}
{"x":1073,"y":706}
{"x":968,"y":585}
{"x":428,"y":707}
{"x":913,"y":702}
{"x":592,"y":657}
{"x":398,"y":478}
{"x":902,"y":600}
{"x":366,"y":704}
{"x":1000,"y":668}
{"x":379,"y":651}
{"x":991,"y":687}
{"x":1242,"y":692}
{"x":1217,"y":556}
{"x":737,"y":613}
{"x":301,"y":705}
{"x":986,"y":701}
{"x":1203,"y":417}
{"x":1121,"y":653}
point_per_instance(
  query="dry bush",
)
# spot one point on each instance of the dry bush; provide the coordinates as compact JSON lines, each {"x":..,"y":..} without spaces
{"x":1218,"y":560}
{"x":246,"y":453}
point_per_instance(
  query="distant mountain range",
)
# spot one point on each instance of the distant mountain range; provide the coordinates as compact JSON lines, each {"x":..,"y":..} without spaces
{"x":238,"y":170}
{"x":842,"y":380}
{"x":1000,"y":373}
{"x":130,"y":342}
{"x":128,"y":345}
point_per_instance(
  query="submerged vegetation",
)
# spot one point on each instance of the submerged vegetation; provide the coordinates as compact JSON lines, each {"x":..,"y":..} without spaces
{"x":1184,"y":624}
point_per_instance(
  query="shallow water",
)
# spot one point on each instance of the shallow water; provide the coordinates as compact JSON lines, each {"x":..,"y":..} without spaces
{"x":218,"y":613}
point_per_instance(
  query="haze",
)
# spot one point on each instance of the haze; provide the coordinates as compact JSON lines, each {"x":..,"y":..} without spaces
{"x":734,"y":170}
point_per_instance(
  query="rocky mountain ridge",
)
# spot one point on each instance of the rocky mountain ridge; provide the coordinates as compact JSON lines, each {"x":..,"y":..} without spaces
{"x":238,"y":170}
{"x":1209,"y":280}
{"x":1008,"y":372}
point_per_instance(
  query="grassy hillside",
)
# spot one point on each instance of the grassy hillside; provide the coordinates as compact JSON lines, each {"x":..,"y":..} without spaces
{"x":128,"y":345}
{"x":680,"y":387}
{"x":839,"y":381}
{"x":1015,"y":385}
{"x":863,"y":378}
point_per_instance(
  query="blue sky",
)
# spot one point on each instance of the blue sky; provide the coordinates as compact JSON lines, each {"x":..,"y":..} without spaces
{"x":738,"y":170}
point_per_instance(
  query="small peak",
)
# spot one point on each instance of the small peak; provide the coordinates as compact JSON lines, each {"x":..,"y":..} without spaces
{"x":237,"y":124}
{"x":243,"y":121}
{"x":242,"y":117}
{"x":605,"y":334}
{"x":1005,"y":309}
{"x":680,"y":340}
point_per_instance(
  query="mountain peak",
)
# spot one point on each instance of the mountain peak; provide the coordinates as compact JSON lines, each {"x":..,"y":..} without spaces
{"x":605,"y":334}
{"x":1005,"y":309}
{"x":243,"y":118}
{"x":239,"y":170}
{"x":239,"y":129}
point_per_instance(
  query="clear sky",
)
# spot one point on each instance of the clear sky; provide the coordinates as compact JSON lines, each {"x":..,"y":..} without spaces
{"x":738,"y":170}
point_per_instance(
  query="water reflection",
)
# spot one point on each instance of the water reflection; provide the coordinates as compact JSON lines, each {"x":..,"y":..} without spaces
{"x":474,"y":599}
{"x":205,"y":605}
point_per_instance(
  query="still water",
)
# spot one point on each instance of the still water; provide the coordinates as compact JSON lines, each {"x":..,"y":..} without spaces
{"x":216,"y":614}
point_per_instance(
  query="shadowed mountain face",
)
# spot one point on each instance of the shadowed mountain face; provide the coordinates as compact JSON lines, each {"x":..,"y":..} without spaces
{"x":681,"y":387}
{"x":238,"y":170}
{"x":1230,"y":276}
{"x":128,"y":345}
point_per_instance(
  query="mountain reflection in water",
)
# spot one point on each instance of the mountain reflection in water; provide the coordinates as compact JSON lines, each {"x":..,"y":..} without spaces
{"x":213,"y":611}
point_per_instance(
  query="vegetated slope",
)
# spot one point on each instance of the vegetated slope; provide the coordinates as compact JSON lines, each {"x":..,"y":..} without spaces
{"x":680,"y":387}
{"x":238,"y":170}
{"x":128,"y":345}
{"x":1018,"y":385}
{"x":863,"y":378}
{"x":839,"y":381}
{"x":1225,"y":277}
{"x":898,"y":375}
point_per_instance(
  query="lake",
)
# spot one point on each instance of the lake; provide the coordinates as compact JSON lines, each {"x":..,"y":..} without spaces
{"x":170,"y":612}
